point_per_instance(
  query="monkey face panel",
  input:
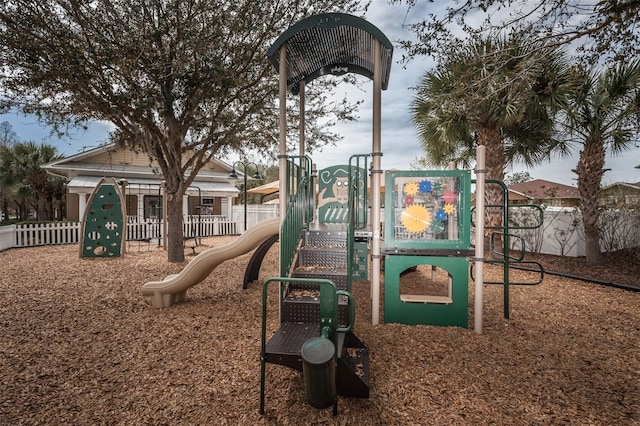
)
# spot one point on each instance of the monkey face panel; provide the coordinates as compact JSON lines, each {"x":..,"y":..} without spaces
{"x":341,"y":189}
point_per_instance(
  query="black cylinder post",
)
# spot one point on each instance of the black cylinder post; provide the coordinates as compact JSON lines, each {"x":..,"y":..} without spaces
{"x":319,"y":371}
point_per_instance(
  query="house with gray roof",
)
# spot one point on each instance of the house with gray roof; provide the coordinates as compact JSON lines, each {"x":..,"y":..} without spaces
{"x":211,"y":193}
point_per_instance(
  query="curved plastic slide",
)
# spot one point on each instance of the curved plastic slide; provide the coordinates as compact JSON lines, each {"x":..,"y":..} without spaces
{"x":173,"y":288}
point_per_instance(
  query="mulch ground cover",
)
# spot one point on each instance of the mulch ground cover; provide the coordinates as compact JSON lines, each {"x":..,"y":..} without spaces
{"x":79,"y":345}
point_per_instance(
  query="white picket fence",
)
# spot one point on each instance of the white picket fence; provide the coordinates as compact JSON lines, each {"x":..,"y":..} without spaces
{"x":30,"y":235}
{"x":47,"y":234}
{"x":561,"y":234}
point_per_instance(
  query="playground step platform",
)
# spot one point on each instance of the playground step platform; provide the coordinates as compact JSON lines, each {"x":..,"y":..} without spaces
{"x":337,"y":275}
{"x":302,"y":304}
{"x":284,"y":348}
{"x":327,"y":235}
{"x":335,"y":257}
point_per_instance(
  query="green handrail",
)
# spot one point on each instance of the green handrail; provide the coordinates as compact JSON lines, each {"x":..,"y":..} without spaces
{"x":358,"y":214}
{"x":329,"y":295}
{"x":299,"y":192}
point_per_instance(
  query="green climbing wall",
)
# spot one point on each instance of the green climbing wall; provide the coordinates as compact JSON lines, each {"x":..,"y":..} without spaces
{"x":103,"y":228}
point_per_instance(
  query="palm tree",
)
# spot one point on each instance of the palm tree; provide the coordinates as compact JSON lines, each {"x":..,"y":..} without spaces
{"x":21,"y":166}
{"x":603,"y":114}
{"x":497,"y":92}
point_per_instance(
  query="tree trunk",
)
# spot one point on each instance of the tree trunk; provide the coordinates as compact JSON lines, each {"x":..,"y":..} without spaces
{"x":590,"y":169}
{"x":175,"y":241}
{"x":41,"y":212}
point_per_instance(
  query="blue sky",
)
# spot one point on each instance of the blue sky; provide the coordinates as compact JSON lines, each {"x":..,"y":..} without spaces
{"x":400,"y":144}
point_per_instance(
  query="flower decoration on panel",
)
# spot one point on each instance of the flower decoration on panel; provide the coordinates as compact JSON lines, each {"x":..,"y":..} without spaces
{"x":449,"y":209}
{"x":411,"y":188}
{"x":425,"y":186}
{"x":449,"y":196}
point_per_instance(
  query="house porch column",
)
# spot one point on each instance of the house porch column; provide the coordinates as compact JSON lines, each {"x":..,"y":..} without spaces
{"x":229,"y":209}
{"x":140,"y":207}
{"x":185,"y":205}
{"x":82,"y":205}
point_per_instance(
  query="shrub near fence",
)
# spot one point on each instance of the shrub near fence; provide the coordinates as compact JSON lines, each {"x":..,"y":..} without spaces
{"x":562,"y":232}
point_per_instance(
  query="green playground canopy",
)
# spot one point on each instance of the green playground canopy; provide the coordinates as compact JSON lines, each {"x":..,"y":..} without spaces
{"x":331,"y":43}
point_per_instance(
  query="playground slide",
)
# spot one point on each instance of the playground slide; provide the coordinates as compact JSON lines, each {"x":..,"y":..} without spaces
{"x":173,"y":288}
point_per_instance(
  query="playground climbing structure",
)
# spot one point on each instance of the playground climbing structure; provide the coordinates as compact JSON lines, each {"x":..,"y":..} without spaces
{"x":324,"y":249}
{"x":326,"y":246}
{"x":315,"y":297}
{"x":103,"y":226}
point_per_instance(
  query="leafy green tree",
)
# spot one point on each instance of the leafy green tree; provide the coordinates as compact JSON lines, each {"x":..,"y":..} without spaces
{"x":184,"y":81}
{"x":21,"y":167}
{"x":7,"y":138}
{"x":55,"y":191}
{"x":517,"y":177}
{"x":603,"y":114}
{"x":496,"y":92}
{"x":606,"y":29}
{"x":10,"y":186}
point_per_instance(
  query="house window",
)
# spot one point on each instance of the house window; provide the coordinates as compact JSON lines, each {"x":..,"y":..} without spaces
{"x":152,"y":207}
{"x":208,"y":201}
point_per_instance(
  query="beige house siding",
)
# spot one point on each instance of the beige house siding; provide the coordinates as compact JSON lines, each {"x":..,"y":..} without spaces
{"x":72,"y":207}
{"x":621,"y":193}
{"x":127,"y":157}
{"x":118,"y":156}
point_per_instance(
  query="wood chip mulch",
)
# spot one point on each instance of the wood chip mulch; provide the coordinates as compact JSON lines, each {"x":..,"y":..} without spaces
{"x":79,"y":345}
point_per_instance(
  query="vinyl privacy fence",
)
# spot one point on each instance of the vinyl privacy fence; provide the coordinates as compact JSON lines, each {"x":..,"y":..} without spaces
{"x":562,"y":231}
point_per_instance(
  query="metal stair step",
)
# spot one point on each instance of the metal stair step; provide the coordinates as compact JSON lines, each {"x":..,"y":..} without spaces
{"x":336,"y":237}
{"x":334,"y":257}
{"x":302,"y":304}
{"x":285,"y":345}
{"x":337,"y":275}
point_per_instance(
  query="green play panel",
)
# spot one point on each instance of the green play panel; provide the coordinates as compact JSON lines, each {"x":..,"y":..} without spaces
{"x":448,"y":309}
{"x":103,"y":230}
